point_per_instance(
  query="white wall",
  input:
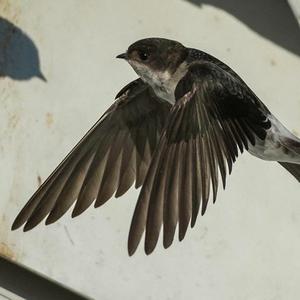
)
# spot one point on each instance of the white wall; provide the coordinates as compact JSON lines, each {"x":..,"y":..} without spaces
{"x":247,"y":245}
{"x":295,"y":5}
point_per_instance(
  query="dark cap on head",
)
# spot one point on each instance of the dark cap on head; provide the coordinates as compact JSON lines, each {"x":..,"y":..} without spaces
{"x":158,"y":53}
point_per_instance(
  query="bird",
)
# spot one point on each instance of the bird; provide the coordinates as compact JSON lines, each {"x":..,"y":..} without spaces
{"x":176,"y":132}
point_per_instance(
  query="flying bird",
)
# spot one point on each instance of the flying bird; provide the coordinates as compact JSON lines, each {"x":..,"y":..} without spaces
{"x":176,"y":132}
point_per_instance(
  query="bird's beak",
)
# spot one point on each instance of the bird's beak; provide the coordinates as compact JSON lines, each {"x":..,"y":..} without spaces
{"x":123,"y":56}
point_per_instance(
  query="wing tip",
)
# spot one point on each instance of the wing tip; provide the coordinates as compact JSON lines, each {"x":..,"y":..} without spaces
{"x":150,"y":244}
{"x":15,"y":226}
{"x":30,"y":225}
{"x":134,"y":239}
{"x":50,"y":219}
{"x":182,"y":233}
{"x":77,"y":210}
{"x":167,"y":242}
{"x":20,"y":220}
{"x":149,"y":250}
{"x":131,"y":248}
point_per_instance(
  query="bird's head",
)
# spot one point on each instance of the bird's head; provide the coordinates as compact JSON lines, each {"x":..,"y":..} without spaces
{"x":152,"y":56}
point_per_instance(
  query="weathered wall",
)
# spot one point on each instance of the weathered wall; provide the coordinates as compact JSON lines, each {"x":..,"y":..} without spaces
{"x":246,"y":247}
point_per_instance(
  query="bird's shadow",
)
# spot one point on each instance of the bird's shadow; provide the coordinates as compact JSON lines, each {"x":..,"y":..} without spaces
{"x":19,"y":57}
{"x":271,"y":19}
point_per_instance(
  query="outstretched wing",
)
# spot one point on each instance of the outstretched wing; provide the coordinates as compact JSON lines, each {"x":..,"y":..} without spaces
{"x":213,"y":119}
{"x":110,"y":157}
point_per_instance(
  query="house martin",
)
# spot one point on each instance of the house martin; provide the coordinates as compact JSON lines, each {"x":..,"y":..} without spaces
{"x":175,"y":132}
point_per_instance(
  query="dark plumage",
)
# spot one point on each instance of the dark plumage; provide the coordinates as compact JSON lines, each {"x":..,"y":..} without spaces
{"x":172,"y":131}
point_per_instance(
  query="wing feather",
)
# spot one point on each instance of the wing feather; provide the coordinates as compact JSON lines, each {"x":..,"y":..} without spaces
{"x":214,"y":118}
{"x":116,"y":152}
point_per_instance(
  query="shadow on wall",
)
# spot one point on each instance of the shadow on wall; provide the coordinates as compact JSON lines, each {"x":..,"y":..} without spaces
{"x":273,"y":20}
{"x":19,"y":58}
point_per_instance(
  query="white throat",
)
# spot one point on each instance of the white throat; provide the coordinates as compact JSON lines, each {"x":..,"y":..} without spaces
{"x":163,"y":83}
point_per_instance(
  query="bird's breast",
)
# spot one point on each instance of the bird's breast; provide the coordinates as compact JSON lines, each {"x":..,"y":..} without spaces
{"x":165,"y":83}
{"x":165,"y":92}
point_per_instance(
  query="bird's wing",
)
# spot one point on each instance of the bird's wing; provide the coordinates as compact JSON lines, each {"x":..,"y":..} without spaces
{"x":109,"y":158}
{"x":213,"y":118}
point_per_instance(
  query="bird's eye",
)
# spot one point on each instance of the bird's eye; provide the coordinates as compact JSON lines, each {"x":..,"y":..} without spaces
{"x":143,"y":55}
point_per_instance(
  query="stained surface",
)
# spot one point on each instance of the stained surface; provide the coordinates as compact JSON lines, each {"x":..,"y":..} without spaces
{"x":252,"y":229}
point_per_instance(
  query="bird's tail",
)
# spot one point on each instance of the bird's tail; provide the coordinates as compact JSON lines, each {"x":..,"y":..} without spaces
{"x":294,"y":169}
